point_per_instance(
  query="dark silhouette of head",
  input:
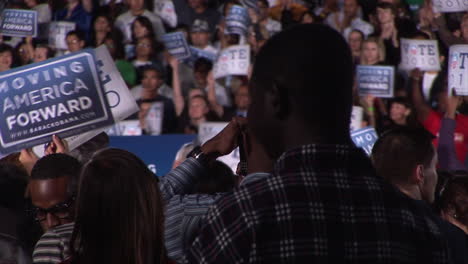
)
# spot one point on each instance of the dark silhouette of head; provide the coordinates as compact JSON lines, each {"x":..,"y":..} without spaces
{"x":119,"y":212}
{"x":301,"y":89}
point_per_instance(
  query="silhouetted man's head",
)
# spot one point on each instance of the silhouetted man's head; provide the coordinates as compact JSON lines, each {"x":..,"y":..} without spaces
{"x":53,"y":187}
{"x":302,"y":80}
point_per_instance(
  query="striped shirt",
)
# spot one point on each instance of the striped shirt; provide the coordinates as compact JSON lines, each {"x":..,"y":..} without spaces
{"x":53,"y":245}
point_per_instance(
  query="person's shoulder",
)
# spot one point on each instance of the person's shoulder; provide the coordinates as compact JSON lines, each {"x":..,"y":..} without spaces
{"x":150,"y":15}
{"x":124,"y":16}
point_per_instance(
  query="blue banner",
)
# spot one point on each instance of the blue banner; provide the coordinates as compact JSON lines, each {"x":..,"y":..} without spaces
{"x":375,"y":80}
{"x":237,"y":20}
{"x":61,"y":96}
{"x":365,"y":138}
{"x":177,"y":45}
{"x":158,"y":152}
{"x":19,"y":23}
{"x":198,"y":53}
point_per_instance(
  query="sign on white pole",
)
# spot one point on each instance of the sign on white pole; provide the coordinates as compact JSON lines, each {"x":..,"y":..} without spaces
{"x":422,"y":54}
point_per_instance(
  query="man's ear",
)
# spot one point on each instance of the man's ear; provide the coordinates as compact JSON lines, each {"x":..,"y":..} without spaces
{"x":279,"y":100}
{"x":418,"y":174}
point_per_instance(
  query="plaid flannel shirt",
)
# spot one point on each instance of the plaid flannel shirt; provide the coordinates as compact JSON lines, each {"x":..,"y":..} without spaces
{"x":323,"y":204}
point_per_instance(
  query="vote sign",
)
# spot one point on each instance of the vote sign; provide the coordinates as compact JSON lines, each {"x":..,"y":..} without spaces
{"x":422,"y":54}
{"x":446,"y":6}
{"x":458,"y":69}
{"x":234,"y":60}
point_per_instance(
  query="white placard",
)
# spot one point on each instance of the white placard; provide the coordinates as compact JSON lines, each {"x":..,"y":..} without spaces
{"x":125,"y":128}
{"x":58,"y":32}
{"x":208,"y":130}
{"x":448,"y":6}
{"x":234,"y":60}
{"x":166,"y":11}
{"x":356,"y":118}
{"x":458,"y":69}
{"x":154,"y":119}
{"x":422,"y":54}
{"x":120,"y":99}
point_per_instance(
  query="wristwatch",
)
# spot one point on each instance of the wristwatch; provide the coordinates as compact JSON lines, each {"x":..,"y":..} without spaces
{"x":198,"y":154}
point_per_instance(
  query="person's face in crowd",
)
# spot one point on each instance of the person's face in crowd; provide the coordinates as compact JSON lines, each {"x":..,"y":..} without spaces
{"x":242,"y":98}
{"x":143,"y":47}
{"x":200,"y":79}
{"x":385,"y":16}
{"x":399,"y":113}
{"x":457,"y":212}
{"x":136,"y":5}
{"x":307,"y":19}
{"x":263,"y":10}
{"x":200,"y":39}
{"x":428,"y":186}
{"x":6,"y":59}
{"x":74,"y":43}
{"x":40,"y":54}
{"x":195,"y":3}
{"x":101,"y":24}
{"x":51,"y":195}
{"x":370,"y":52}
{"x":30,"y":3}
{"x":355,"y":42}
{"x":139,"y":30}
{"x":195,"y":92}
{"x":24,"y":53}
{"x":350,"y":8}
{"x":151,"y":80}
{"x":197,"y":108}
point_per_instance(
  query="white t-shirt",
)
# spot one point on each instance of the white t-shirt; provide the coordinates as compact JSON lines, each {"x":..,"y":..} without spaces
{"x":44,"y":14}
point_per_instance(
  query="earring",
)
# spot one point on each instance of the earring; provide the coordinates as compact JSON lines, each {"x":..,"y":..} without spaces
{"x":455,"y":216}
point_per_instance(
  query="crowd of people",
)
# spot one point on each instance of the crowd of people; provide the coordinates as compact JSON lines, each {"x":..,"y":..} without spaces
{"x":302,"y":192}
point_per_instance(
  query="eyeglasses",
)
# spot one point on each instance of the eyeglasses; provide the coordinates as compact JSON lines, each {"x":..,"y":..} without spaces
{"x":60,"y":211}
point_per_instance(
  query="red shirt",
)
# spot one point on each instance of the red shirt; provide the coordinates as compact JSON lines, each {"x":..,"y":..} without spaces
{"x":433,"y":122}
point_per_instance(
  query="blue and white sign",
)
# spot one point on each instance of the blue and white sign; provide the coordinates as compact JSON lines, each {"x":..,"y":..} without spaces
{"x":177,"y":45}
{"x":58,"y":31}
{"x":237,"y":21}
{"x":19,"y":23}
{"x":365,"y":138}
{"x":198,"y":53}
{"x":458,"y":69}
{"x":234,"y":60}
{"x":375,"y":80}
{"x":422,"y":54}
{"x":61,"y":96}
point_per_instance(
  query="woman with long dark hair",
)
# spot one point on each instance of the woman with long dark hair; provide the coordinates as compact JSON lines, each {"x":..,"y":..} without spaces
{"x":119,"y":214}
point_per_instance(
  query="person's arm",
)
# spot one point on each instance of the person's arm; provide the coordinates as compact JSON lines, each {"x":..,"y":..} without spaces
{"x":367,"y":102}
{"x":217,"y":108}
{"x":178,"y":98}
{"x":446,"y":148}
{"x":417,"y":97}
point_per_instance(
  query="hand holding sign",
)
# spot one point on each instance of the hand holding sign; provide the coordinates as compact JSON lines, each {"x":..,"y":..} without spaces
{"x":423,"y":54}
{"x":458,"y":69}
{"x":234,"y":60}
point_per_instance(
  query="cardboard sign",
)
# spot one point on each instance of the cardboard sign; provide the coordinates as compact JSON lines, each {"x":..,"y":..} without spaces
{"x":458,"y":69}
{"x":375,"y":80}
{"x":422,"y":54}
{"x":237,"y":20}
{"x":19,"y":23}
{"x":60,"y":96}
{"x":166,"y":12}
{"x":356,"y":118}
{"x":118,"y":95}
{"x":234,"y":60}
{"x":177,"y":45}
{"x":125,"y":128}
{"x":365,"y":138}
{"x":198,"y":53}
{"x":208,"y":130}
{"x":58,"y":32}
{"x":447,"y":6}
{"x":154,"y":118}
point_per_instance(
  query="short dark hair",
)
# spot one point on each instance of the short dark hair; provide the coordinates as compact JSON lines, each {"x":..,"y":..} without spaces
{"x":50,"y":52}
{"x":218,"y":178}
{"x":56,"y":166}
{"x":78,"y":33}
{"x":13,"y":181}
{"x":452,"y":186}
{"x":154,"y":67}
{"x":5,"y":47}
{"x":397,"y":152}
{"x":385,"y":5}
{"x":307,"y":66}
{"x":202,"y":65}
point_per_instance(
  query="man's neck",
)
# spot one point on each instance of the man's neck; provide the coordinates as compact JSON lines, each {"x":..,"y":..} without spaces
{"x":198,"y":121}
{"x":411,"y":191}
{"x":138,"y":12}
{"x":387,"y":26}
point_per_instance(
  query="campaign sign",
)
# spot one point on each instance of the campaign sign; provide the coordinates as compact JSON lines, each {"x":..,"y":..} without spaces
{"x":237,"y":20}
{"x":61,"y":96}
{"x":458,"y":69}
{"x":125,"y":128}
{"x":365,"y":138}
{"x":58,"y":32}
{"x":154,"y":118}
{"x":198,"y":53}
{"x":177,"y":45}
{"x":234,"y":60}
{"x":422,"y":54}
{"x":207,"y":131}
{"x":356,"y":118}
{"x":19,"y":23}
{"x":447,"y":6}
{"x":375,"y":80}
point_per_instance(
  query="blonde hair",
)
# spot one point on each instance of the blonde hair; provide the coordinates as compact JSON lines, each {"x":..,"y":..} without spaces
{"x":380,"y":48}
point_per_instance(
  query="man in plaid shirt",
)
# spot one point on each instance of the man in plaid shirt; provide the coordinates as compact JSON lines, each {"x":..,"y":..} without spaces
{"x":324,"y":203}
